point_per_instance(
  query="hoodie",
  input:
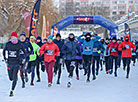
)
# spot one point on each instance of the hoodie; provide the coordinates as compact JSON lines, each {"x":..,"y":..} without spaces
{"x":128,"y":45}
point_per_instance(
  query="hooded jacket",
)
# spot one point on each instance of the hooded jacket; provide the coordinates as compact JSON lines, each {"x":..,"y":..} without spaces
{"x":113,"y":48}
{"x":98,"y":46}
{"x":88,"y":46}
{"x":51,"y":50}
{"x":126,"y":52}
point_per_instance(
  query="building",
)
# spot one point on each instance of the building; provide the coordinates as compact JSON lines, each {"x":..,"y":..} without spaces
{"x":113,"y":9}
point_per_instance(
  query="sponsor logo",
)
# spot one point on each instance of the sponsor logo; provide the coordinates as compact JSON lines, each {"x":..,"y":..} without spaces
{"x":86,"y":19}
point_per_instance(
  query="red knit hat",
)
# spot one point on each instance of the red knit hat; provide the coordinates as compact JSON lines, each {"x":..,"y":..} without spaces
{"x":14,"y":34}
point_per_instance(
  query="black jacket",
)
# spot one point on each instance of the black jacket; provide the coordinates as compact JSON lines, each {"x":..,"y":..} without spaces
{"x":13,"y":51}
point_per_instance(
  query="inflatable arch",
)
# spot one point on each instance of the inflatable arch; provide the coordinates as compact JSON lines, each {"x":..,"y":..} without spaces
{"x":112,"y":27}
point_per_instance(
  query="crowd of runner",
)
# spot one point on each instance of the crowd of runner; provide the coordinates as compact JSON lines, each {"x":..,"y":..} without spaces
{"x":87,"y":52}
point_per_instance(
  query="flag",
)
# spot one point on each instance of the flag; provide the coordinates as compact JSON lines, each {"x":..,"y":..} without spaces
{"x":34,"y":19}
{"x":27,"y":18}
{"x":129,"y":13}
{"x":127,"y":30}
{"x":47,"y":29}
{"x":44,"y":28}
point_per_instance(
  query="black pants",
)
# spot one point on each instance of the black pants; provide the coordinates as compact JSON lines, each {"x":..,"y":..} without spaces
{"x":13,"y":74}
{"x":31,"y":69}
{"x":87,"y":64}
{"x":78,"y":62}
{"x":107,"y":62}
{"x":38,"y":63}
{"x":126,"y":63}
{"x":96,"y":60}
{"x":23,"y":70}
{"x":112,"y":59}
{"x":134,"y":58}
{"x":69,"y":67}
{"x":57,"y":67}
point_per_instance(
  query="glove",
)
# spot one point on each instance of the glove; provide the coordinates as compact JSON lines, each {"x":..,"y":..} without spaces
{"x":106,"y":53}
{"x":78,"y":54}
{"x":99,"y":51}
{"x":46,"y":51}
{"x":133,"y":51}
{"x":69,"y":52}
{"x":6,"y":61}
{"x":124,"y":48}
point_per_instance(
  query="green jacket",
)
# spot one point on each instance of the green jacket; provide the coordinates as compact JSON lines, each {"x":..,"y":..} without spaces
{"x":35,"y":51}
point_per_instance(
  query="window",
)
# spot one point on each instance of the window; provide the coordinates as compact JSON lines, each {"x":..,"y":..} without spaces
{"x":114,"y":13}
{"x":84,"y":2}
{"x":131,"y":2}
{"x":114,"y":7}
{"x":114,"y":2}
{"x":122,"y":12}
{"x":121,"y":7}
{"x":122,"y":2}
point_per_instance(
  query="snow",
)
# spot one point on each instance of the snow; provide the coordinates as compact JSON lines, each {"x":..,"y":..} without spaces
{"x":106,"y":88}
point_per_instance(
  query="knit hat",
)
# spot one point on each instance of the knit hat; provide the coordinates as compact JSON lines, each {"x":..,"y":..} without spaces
{"x":58,"y":35}
{"x":50,"y":37}
{"x":32,"y":37}
{"x":71,"y":34}
{"x":38,"y":38}
{"x":14,"y":34}
{"x":114,"y":38}
{"x":23,"y":33}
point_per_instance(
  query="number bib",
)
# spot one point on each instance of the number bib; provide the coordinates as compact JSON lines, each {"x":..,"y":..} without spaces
{"x":127,"y":46}
{"x":87,"y":48}
{"x":94,"y":49}
{"x":49,"y":52}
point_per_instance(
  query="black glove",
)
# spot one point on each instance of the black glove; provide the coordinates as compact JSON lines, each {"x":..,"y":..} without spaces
{"x":106,"y":53}
{"x":133,"y":51}
{"x":46,"y":51}
{"x":69,"y":52}
{"x":124,"y":48}
{"x":78,"y":54}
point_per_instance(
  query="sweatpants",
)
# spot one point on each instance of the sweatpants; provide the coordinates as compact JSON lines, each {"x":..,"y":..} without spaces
{"x":38,"y":63}
{"x":13,"y":74}
{"x":87,"y":64}
{"x":23,"y":71}
{"x":70,"y":65}
{"x":126,"y":63}
{"x":112,"y":59}
{"x":96,"y":60}
{"x":57,"y":68}
{"x":78,"y":62}
{"x":31,"y":69}
{"x":49,"y":69}
{"x":107,"y":63}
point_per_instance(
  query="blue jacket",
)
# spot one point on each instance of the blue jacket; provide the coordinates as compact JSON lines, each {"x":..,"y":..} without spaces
{"x":105,"y":46}
{"x":69,"y":50}
{"x":59,"y":43}
{"x":98,"y":46}
{"x":88,"y":46}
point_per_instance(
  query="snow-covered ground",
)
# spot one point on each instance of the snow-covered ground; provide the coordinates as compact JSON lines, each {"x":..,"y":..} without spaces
{"x":106,"y":88}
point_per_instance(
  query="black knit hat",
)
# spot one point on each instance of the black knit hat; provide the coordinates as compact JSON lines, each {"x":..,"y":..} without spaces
{"x":58,"y":35}
{"x":114,"y":38}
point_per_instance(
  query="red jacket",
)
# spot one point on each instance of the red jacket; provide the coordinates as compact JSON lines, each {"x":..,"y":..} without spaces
{"x":127,"y":52}
{"x":113,"y":48}
{"x":50,"y":50}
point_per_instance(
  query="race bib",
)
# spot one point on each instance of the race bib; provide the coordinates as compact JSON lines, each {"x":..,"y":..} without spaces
{"x":12,"y":54}
{"x":127,"y":46}
{"x":87,"y":48}
{"x":94,"y":49}
{"x":49,"y":52}
{"x":113,"y":50}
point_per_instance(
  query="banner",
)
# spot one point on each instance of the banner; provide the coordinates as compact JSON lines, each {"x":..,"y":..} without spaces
{"x":47,"y":29}
{"x":34,"y":19}
{"x":127,"y":30}
{"x":27,"y":18}
{"x":43,"y":36}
